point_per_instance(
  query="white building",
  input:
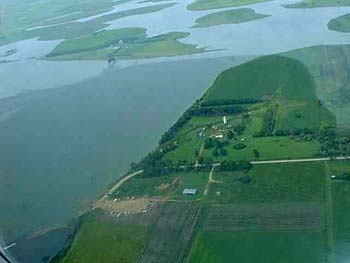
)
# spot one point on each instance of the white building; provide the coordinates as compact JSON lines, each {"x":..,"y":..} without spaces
{"x":224,"y":119}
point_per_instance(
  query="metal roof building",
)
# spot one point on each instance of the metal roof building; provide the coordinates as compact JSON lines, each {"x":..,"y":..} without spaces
{"x":189,"y":191}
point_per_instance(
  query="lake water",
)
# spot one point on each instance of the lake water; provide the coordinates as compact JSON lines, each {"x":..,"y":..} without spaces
{"x":63,"y":147}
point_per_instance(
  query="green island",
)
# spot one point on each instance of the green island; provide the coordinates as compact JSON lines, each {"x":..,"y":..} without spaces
{"x":234,"y":16}
{"x":125,"y":43}
{"x":340,"y":24}
{"x":318,"y":3}
{"x":69,"y":28}
{"x":214,"y":4}
{"x":257,"y":169}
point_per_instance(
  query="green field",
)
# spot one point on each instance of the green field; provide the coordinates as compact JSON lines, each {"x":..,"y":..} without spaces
{"x":197,"y":180}
{"x":271,"y":247}
{"x":106,"y":242}
{"x":318,"y":3}
{"x":139,"y":187}
{"x":213,"y":4}
{"x":341,"y":212}
{"x":329,"y":67}
{"x":340,"y":24}
{"x":298,"y":182}
{"x":126,"y":43}
{"x":170,"y":186}
{"x":268,"y":76}
{"x":234,"y":16}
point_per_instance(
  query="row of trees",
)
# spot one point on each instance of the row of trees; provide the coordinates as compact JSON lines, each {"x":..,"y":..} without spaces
{"x":268,"y":123}
{"x":221,"y":102}
{"x":216,"y":111}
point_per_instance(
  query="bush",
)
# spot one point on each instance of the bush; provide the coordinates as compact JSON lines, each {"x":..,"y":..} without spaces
{"x":239,"y":146}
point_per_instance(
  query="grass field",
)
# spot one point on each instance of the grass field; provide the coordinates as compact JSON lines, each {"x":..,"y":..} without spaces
{"x":197,"y":180}
{"x":213,"y":4}
{"x":139,"y":187}
{"x":170,"y":186}
{"x":127,"y":43}
{"x":234,"y":16}
{"x":106,"y":242}
{"x":268,"y":76}
{"x":341,"y":212}
{"x":299,"y":182}
{"x":318,"y":3}
{"x":340,"y":24}
{"x":258,"y":247}
{"x":329,"y":67}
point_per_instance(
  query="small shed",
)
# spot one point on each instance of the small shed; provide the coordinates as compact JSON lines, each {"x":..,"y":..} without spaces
{"x":189,"y":191}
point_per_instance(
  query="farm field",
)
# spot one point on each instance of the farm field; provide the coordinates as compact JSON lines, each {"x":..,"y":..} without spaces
{"x":260,"y":247}
{"x":298,"y":182}
{"x":214,"y":4}
{"x":106,"y":242}
{"x":171,"y":236}
{"x":341,"y":214}
{"x":234,"y":16}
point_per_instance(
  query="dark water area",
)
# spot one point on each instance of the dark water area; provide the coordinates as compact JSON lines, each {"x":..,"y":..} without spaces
{"x":41,"y":248}
{"x":61,"y":148}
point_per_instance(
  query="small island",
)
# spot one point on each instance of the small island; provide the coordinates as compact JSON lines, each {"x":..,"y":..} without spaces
{"x":234,"y":16}
{"x":340,"y":24}
{"x":214,"y":4}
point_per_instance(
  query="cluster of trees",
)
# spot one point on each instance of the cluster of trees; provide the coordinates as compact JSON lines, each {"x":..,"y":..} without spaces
{"x":235,"y":166}
{"x":219,"y":146}
{"x":221,"y":102}
{"x":216,"y":111}
{"x":268,"y":123}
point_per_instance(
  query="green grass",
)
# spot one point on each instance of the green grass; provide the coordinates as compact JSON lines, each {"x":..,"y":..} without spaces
{"x":296,"y":182}
{"x":271,"y":247}
{"x":139,"y":187}
{"x":281,"y":80}
{"x":127,"y":43}
{"x":340,"y":24}
{"x":268,"y":76}
{"x":341,"y":217}
{"x":105,"y":242}
{"x":197,"y":180}
{"x":341,"y":212}
{"x":318,"y":3}
{"x":329,"y":67}
{"x":98,"y":40}
{"x":302,"y":114}
{"x":213,"y":4}
{"x":269,"y":148}
{"x":234,"y":16}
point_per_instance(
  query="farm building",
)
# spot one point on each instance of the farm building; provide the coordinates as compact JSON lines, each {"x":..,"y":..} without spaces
{"x":189,"y":191}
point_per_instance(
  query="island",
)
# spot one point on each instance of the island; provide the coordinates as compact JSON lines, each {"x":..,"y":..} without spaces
{"x":234,"y":16}
{"x":340,"y":24}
